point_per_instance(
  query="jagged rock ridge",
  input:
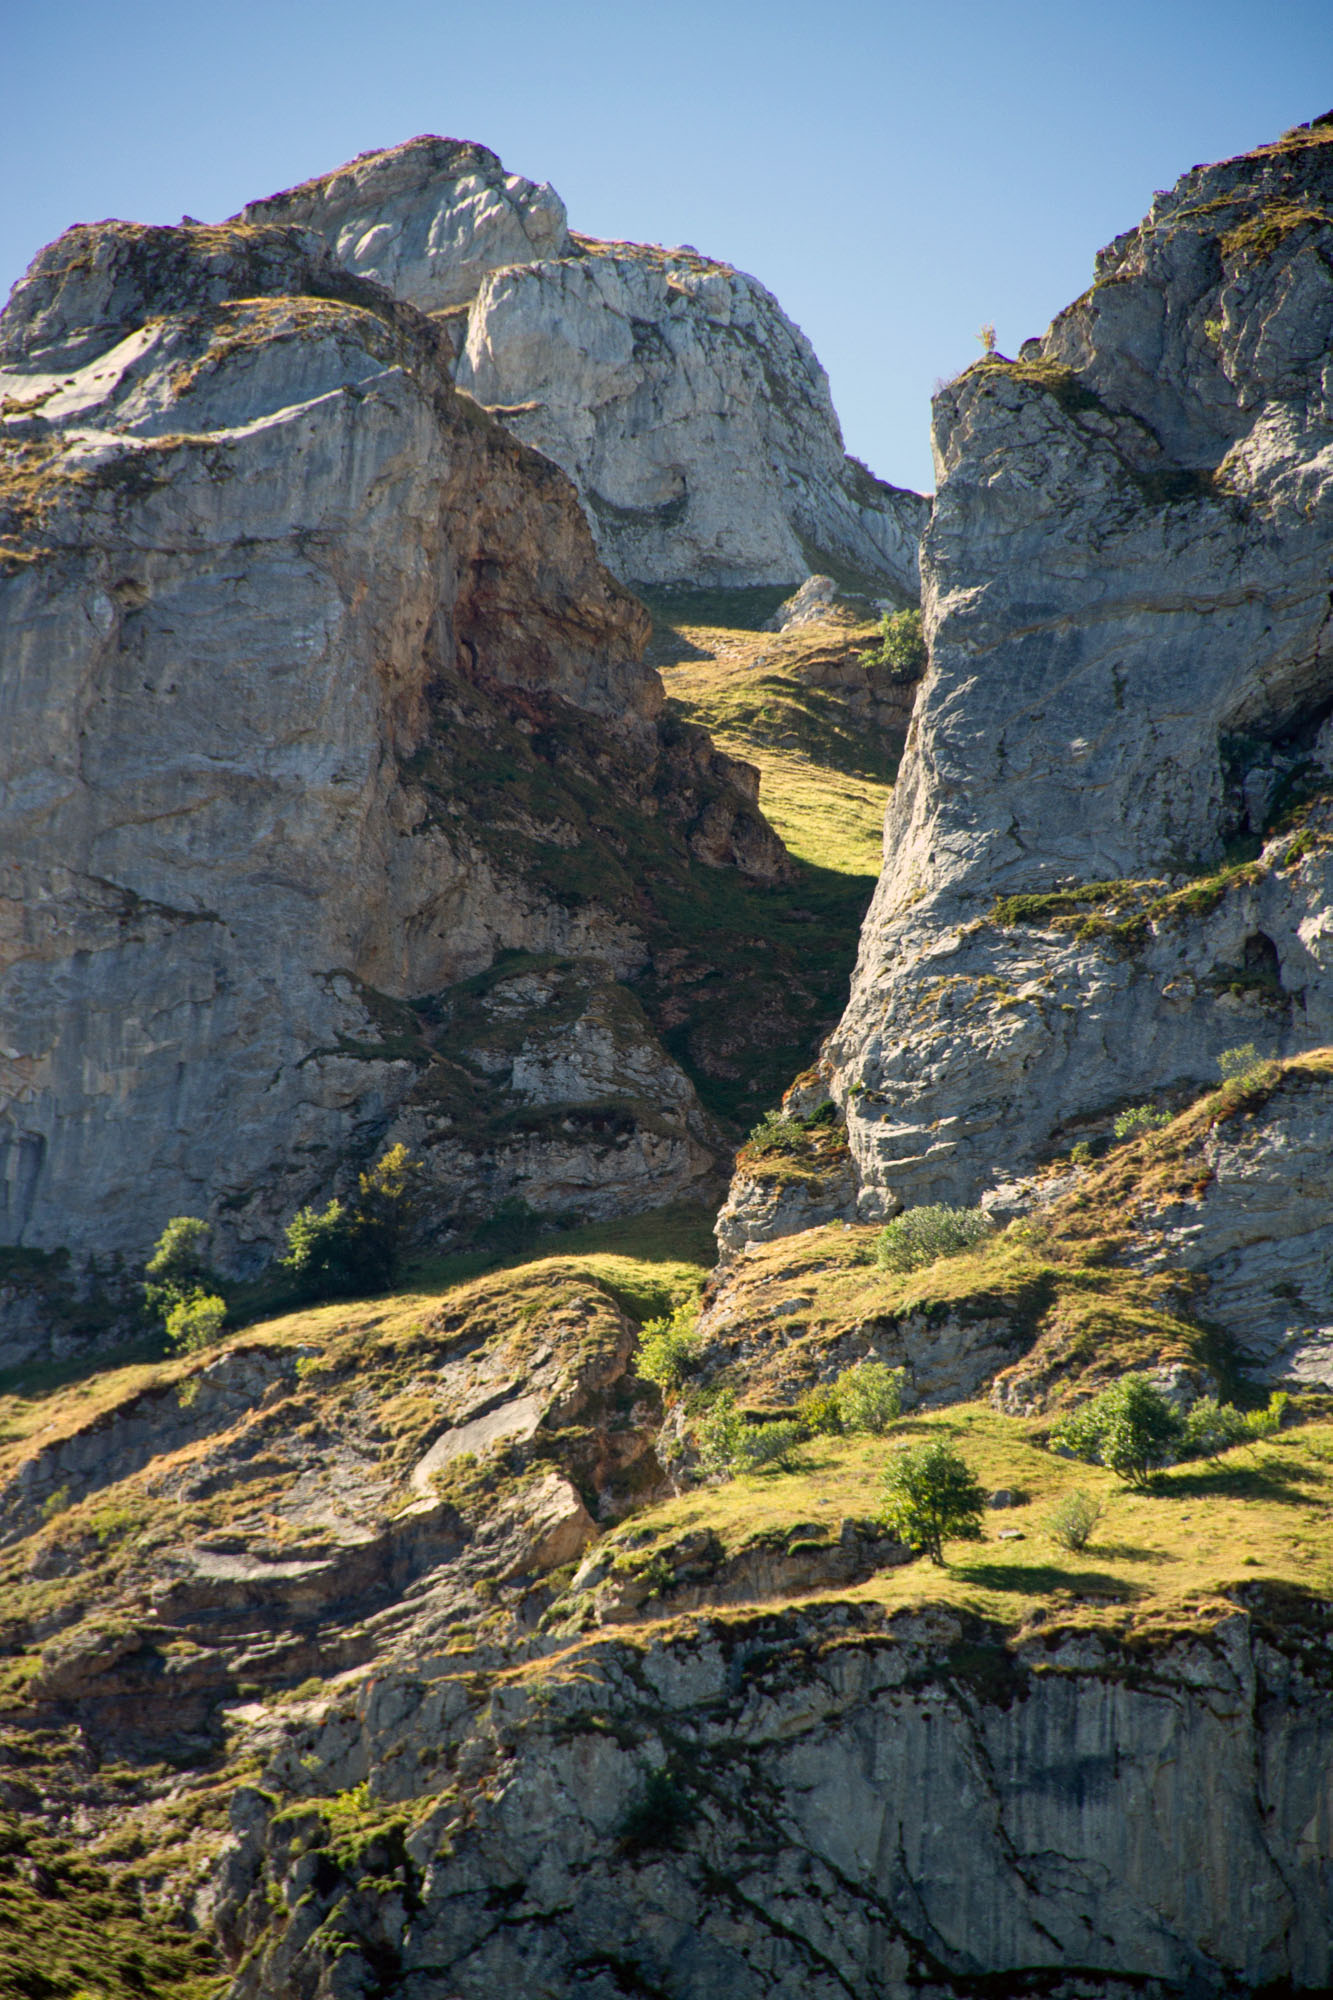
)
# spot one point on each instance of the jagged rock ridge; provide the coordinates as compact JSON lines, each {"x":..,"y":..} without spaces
{"x":693,"y":416}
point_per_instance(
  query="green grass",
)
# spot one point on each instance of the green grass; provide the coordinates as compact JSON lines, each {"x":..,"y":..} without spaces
{"x":1168,"y":1556}
{"x":79,"y":1930}
{"x":825,"y":775}
{"x":745,"y":975}
{"x":648,"y":1262}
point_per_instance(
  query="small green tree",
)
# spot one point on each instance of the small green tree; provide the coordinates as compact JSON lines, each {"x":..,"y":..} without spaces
{"x":669,"y":1348}
{"x":819,"y":1413}
{"x":1266,"y":1423}
{"x":1072,"y":1520}
{"x":1140,"y":1118}
{"x":196,"y":1322}
{"x":870,"y":1397}
{"x":178,"y":1267}
{"x":919,"y":1235}
{"x":759,"y":1446}
{"x":931,"y":1497}
{"x":1210,"y":1428}
{"x":342,"y":1249}
{"x":1238,"y":1061}
{"x":902,"y":645}
{"x":718,"y":1435}
{"x":321,"y":1251}
{"x":1130,"y":1428}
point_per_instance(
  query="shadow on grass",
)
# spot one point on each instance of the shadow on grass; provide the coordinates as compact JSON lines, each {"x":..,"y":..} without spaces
{"x":1128,"y":1552}
{"x":1040,"y":1579}
{"x":42,"y":1379}
{"x":680,"y":1234}
{"x":1259,"y":1480}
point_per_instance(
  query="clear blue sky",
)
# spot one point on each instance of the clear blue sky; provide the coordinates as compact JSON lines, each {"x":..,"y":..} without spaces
{"x":896,"y":173}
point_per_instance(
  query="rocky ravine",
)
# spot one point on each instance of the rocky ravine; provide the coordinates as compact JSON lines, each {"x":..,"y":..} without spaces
{"x":1108,"y":850}
{"x":693,"y":416}
{"x":316,"y":702}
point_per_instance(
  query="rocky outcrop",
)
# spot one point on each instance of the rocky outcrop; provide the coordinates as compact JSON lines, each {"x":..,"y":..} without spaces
{"x":692,"y":415}
{"x":419,"y":1481}
{"x":429,"y":220}
{"x":1107,"y":849}
{"x":1246,"y":1211}
{"x":316,"y":699}
{"x":816,"y":1805}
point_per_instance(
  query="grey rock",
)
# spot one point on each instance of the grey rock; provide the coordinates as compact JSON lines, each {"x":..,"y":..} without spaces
{"x":691,"y":413}
{"x":758,"y":1209}
{"x":262,"y":565}
{"x":1126,"y":600}
{"x":428,"y":219}
{"x":880,"y":1825}
{"x":1258,"y":1232}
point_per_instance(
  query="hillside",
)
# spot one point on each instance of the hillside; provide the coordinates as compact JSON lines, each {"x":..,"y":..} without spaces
{"x":910,"y":1577}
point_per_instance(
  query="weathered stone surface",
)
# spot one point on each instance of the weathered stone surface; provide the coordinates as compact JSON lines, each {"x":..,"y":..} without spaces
{"x":413,"y":1485}
{"x":428,"y":219}
{"x":758,"y":1208}
{"x":690,"y":412}
{"x":1126,"y":595}
{"x":281,"y":615}
{"x":694,"y":1569}
{"x":1257,"y":1230}
{"x":1079,"y":1826}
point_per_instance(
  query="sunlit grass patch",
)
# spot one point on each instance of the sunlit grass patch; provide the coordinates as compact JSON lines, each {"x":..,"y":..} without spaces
{"x":825,"y":776}
{"x":1171,"y":1555}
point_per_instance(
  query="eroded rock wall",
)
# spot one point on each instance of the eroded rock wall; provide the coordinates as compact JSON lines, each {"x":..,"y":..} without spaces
{"x":1126,"y":585}
{"x":691,"y":413}
{"x":851,"y":1805}
{"x":282,"y":617}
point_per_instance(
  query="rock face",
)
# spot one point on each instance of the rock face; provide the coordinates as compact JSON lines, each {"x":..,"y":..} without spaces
{"x":315,"y":700}
{"x":429,"y":220}
{"x":692,"y":415}
{"x":1255,"y":1228}
{"x":1127,"y":604}
{"x":844,"y":1811}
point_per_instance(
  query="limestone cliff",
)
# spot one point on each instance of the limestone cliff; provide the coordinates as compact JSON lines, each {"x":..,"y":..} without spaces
{"x":1108,"y":849}
{"x":823,"y":1805}
{"x":315,"y":702}
{"x":692,"y":415}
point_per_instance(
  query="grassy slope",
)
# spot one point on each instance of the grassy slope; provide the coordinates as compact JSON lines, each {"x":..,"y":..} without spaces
{"x":1163,"y":1559}
{"x":824,"y":781}
{"x":1162,"y":1562}
{"x":77,"y":1921}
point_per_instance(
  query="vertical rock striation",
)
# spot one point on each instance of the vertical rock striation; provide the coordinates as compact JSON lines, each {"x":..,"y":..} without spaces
{"x":299,"y":649}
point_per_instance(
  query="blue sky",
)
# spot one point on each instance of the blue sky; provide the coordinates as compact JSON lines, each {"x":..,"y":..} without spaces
{"x":896,"y":173}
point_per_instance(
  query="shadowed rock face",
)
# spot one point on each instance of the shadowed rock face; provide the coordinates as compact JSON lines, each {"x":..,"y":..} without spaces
{"x":281,"y":616}
{"x":1127,"y":602}
{"x":693,"y":416}
{"x":851,"y":1815}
